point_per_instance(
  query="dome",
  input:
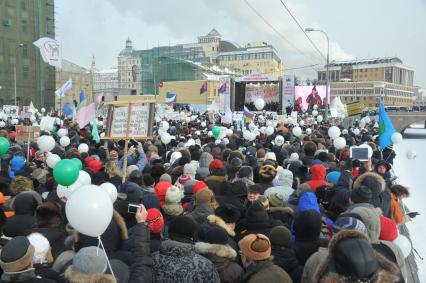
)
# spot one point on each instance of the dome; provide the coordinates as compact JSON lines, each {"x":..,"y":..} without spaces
{"x":128,"y":50}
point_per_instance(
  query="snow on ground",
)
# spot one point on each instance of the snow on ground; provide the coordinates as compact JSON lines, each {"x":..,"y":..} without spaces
{"x":412,"y":173}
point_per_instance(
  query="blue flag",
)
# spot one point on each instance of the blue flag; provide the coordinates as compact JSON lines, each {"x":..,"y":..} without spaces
{"x":386,"y":129}
{"x":82,"y":97}
{"x":67,"y":110}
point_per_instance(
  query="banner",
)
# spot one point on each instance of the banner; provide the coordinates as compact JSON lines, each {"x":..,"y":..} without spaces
{"x":64,"y":88}
{"x":288,"y":92}
{"x":11,"y":110}
{"x":225,"y":94}
{"x":308,"y":96}
{"x":50,"y":50}
{"x":26,"y":112}
{"x":354,"y":108}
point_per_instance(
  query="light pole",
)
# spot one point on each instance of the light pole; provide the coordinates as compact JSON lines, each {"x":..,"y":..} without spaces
{"x":327,"y":69}
{"x":14,"y":67}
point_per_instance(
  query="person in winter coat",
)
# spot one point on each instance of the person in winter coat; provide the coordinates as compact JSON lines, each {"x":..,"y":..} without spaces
{"x":318,"y":172}
{"x":177,"y":260}
{"x":397,"y":207}
{"x":204,"y":206}
{"x":42,"y":259}
{"x":16,"y":260}
{"x":267,"y":174}
{"x":283,"y":183}
{"x":284,"y":255}
{"x":133,"y":195}
{"x":351,"y":258}
{"x":215,"y":248}
{"x":256,"y":259}
{"x":217,"y":177}
{"x":381,"y":195}
{"x":155,"y":222}
{"x":245,"y":175}
{"x":19,"y":225}
{"x":204,"y":165}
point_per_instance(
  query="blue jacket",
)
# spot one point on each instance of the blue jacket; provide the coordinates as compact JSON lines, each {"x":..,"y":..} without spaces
{"x":140,"y":162}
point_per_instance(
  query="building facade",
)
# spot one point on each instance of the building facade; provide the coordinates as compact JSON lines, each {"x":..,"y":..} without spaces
{"x":129,"y":69}
{"x":21,"y":23}
{"x":103,"y":79}
{"x":81,"y":81}
{"x":365,"y":80}
{"x":258,"y":57}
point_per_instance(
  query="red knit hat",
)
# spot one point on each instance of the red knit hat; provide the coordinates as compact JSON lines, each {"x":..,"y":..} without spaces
{"x":155,"y":220}
{"x":216,"y":164}
{"x":184,"y":178}
{"x":87,"y":160}
{"x":160,"y":190}
{"x":388,"y":229}
{"x":199,"y":185}
{"x":95,"y":165}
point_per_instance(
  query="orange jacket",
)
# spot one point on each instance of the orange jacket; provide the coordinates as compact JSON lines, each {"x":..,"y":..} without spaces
{"x":396,"y":211}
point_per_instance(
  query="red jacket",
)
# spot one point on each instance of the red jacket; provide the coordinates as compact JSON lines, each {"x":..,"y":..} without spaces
{"x":318,"y":172}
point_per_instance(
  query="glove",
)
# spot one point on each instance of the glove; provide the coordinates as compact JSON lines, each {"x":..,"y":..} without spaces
{"x":131,"y":151}
{"x":140,"y":148}
{"x":413,"y":214}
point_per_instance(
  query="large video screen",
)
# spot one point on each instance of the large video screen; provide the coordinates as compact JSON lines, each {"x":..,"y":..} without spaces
{"x":305,"y":97}
{"x":268,"y":91}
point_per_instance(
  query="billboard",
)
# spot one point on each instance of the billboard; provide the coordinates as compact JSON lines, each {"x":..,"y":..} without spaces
{"x":288,"y":91}
{"x":268,"y":91}
{"x":305,"y":97}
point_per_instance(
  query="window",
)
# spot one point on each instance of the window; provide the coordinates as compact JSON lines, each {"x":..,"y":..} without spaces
{"x":212,"y":48}
{"x":252,"y":56}
{"x":24,"y":25}
{"x":25,"y":72}
{"x":246,"y":57}
{"x":25,"y":51}
{"x":23,"y":4}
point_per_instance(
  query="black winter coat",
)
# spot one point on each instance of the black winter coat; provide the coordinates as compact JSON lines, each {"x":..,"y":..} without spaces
{"x":304,"y":250}
{"x":286,"y":259}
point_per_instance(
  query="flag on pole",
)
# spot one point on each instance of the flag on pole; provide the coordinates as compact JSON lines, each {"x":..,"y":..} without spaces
{"x":74,"y":113}
{"x":386,"y":129}
{"x":50,"y":50}
{"x":203,"y":88}
{"x":85,"y":114}
{"x":95,"y":133}
{"x":247,"y":115}
{"x":170,"y":97}
{"x":82,"y":96}
{"x":64,"y":88}
{"x":223,"y":86}
{"x":67,"y":110}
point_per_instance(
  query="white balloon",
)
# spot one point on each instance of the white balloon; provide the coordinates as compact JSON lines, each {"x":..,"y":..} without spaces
{"x":15,"y":121}
{"x":301,"y":123}
{"x":210,"y":133}
{"x":89,"y":210}
{"x":279,"y":140}
{"x":62,"y":132}
{"x":367,"y":119}
{"x":252,"y":126}
{"x":43,"y":110}
{"x":84,"y":178}
{"x":262,"y":130}
{"x":259,"y":103}
{"x":246,"y":134}
{"x":362,"y":124}
{"x":65,"y":141}
{"x":2,"y":124}
{"x":294,"y":156}
{"x":269,"y":123}
{"x":252,"y":136}
{"x":269,"y":130}
{"x":308,"y":131}
{"x":404,"y":244}
{"x":100,"y":123}
{"x":64,"y":192}
{"x":319,"y":118}
{"x":290,"y":121}
{"x":345,"y":131}
{"x":6,"y":110}
{"x":225,"y":141}
{"x":411,"y":154}
{"x":52,"y":159}
{"x":396,"y":138}
{"x":164,"y":125}
{"x":35,"y":124}
{"x":166,"y":138}
{"x":46,"y":143}
{"x":229,"y":132}
{"x":356,"y":131}
{"x":314,"y":113}
{"x":190,"y":142}
{"x":111,"y":191}
{"x":315,"y":107}
{"x":334,"y":132}
{"x":339,"y":143}
{"x":83,"y":148}
{"x":297,"y":131}
{"x":33,"y":119}
{"x":203,"y":124}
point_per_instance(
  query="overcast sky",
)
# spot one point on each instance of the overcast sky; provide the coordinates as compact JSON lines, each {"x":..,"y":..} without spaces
{"x":357,"y":28}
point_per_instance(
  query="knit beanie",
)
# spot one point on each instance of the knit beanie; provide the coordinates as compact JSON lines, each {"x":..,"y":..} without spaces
{"x":361,"y":195}
{"x":333,"y":177}
{"x":183,"y":179}
{"x":307,"y":226}
{"x":148,"y":180}
{"x":349,"y":223}
{"x":42,"y":253}
{"x":161,"y":189}
{"x":216,"y":168}
{"x":95,"y":165}
{"x":204,"y":196}
{"x":175,"y":156}
{"x":182,"y":226}
{"x":276,"y":200}
{"x":270,"y":156}
{"x":173,"y":195}
{"x":388,"y":229}
{"x":188,"y":188}
{"x":256,"y":247}
{"x":166,"y":178}
{"x":216,"y":235}
{"x":150,"y":201}
{"x":90,"y":260}
{"x":256,"y":213}
{"x":155,"y":220}
{"x":280,"y":236}
{"x":228,"y":213}
{"x":245,"y":172}
{"x":16,"y":255}
{"x":199,"y":185}
{"x":190,"y":169}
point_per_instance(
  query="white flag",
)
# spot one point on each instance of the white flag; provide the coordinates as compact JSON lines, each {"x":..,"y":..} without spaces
{"x":50,"y":50}
{"x":63,"y":89}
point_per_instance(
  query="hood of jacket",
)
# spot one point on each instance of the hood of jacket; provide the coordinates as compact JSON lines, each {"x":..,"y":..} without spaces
{"x":284,"y":178}
{"x":224,"y":251}
{"x":318,"y":172}
{"x":25,"y":204}
{"x":308,"y":201}
{"x":216,"y":220}
{"x":386,"y":271}
{"x":372,"y":180}
{"x":371,"y":219}
{"x":205,"y":160}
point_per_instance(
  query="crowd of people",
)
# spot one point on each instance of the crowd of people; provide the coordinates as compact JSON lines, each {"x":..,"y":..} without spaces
{"x":210,"y":210}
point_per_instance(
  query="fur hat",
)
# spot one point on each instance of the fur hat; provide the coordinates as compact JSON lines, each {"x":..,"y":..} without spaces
{"x":361,"y":194}
{"x":48,"y":215}
{"x":228,"y":212}
{"x":256,"y":213}
{"x":255,"y":246}
{"x":267,"y":173}
{"x":173,"y":195}
{"x":16,"y":255}
{"x":155,"y":220}
{"x":216,"y":235}
{"x":20,"y":184}
{"x":182,"y":227}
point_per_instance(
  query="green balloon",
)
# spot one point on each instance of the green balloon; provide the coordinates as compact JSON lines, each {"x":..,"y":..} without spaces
{"x":215,"y":132}
{"x":78,"y":163}
{"x":4,"y":145}
{"x":66,"y":172}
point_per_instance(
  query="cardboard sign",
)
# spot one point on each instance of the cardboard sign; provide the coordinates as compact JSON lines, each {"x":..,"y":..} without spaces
{"x":26,"y":113}
{"x":354,"y":108}
{"x":12,"y":110}
{"x":25,"y":133}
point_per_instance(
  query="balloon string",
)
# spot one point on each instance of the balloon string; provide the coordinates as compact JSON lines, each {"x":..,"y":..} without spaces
{"x":109,"y":264}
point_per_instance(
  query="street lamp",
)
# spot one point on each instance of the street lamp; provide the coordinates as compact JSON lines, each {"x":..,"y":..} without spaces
{"x":327,"y":68}
{"x":14,"y":67}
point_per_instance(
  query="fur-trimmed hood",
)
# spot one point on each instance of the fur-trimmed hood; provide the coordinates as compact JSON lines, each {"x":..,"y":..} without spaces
{"x":219,"y":179}
{"x":326,"y":272}
{"x":73,"y":276}
{"x":216,"y":220}
{"x":121,"y":225}
{"x":369,"y":179}
{"x":220,"y":250}
{"x":287,"y":210}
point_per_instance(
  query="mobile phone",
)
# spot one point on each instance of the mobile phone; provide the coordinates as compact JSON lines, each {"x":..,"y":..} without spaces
{"x":132,"y":208}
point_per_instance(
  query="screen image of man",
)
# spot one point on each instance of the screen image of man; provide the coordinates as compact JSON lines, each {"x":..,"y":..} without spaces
{"x":314,"y":99}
